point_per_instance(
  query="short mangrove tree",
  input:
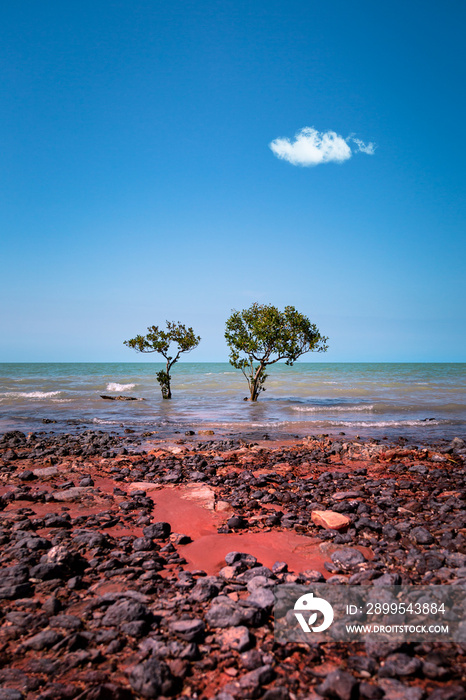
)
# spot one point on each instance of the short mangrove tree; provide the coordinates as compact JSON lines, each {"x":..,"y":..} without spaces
{"x":170,"y":343}
{"x":262,"y":335}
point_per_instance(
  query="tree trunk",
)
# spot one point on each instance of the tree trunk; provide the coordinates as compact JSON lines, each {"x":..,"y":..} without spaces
{"x":255,"y":384}
{"x":168,"y":389}
{"x":254,"y":391}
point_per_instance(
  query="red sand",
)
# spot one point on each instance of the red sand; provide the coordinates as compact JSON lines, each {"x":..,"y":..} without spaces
{"x":208,"y":549}
{"x":299,"y":552}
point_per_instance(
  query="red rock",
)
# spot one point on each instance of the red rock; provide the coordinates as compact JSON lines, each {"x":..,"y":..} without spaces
{"x":330,"y":520}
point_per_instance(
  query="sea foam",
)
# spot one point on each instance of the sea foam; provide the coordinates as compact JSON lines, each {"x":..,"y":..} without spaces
{"x":114,"y":386}
{"x":30,"y":394}
{"x":332,"y":409}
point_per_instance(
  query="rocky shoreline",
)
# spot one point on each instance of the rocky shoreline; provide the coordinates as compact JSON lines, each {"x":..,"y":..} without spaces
{"x":133,"y":567}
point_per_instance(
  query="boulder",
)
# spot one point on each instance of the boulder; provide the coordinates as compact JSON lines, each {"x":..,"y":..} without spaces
{"x":330,"y":520}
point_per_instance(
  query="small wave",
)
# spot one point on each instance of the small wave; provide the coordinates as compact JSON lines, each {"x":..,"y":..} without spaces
{"x":385,"y":423}
{"x":331,"y":409}
{"x":30,"y":394}
{"x":114,"y":386}
{"x":239,"y":425}
{"x":100,"y":421}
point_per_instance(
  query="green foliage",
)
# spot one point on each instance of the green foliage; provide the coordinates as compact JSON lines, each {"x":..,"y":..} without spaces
{"x":162,"y":342}
{"x":265,"y":335}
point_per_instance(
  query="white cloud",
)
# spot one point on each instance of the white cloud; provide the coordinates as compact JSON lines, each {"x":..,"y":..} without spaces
{"x":368,"y":148}
{"x":311,"y":147}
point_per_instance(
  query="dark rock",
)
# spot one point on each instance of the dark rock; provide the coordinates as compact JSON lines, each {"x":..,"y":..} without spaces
{"x":339,"y":684}
{"x":43,"y":640}
{"x":136,"y":628}
{"x":125,"y":611}
{"x":390,"y":533}
{"x":34,"y":544}
{"x":380,"y":647}
{"x":237,"y":522}
{"x":224,"y":612}
{"x":90,"y":538}
{"x":151,"y":679}
{"x":47,"y":572}
{"x":421,"y":535}
{"x":52,"y":606}
{"x":115,"y":646}
{"x":178,"y":538}
{"x":362,"y":663}
{"x":189,"y":630}
{"x":261,"y":598}
{"x":449,"y":692}
{"x":58,"y":691}
{"x":370,"y":692}
{"x":10,"y":694}
{"x":252,"y":682}
{"x":57,"y":521}
{"x":21,"y":590}
{"x":197,"y":476}
{"x":236,"y":638}
{"x":13,"y":575}
{"x":277,"y":693}
{"x":117,"y":398}
{"x":281,"y":567}
{"x":387,"y":580}
{"x":368,"y":524}
{"x":70,"y":622}
{"x":185,"y":580}
{"x":157,"y":531}
{"x":25,"y":622}
{"x":399,"y":665}
{"x":347,"y":558}
{"x":247,"y":559}
{"x":394,"y":690}
{"x":434,"y":671}
{"x":143,"y":544}
{"x":256,"y":571}
{"x":27,"y":475}
{"x":205,"y":589}
{"x":106,"y":691}
{"x":251,"y":659}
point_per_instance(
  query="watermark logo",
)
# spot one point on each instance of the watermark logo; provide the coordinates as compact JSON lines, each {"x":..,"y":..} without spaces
{"x":325,"y":612}
{"x":307,"y":604}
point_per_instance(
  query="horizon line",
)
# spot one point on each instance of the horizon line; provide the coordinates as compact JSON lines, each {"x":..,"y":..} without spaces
{"x":226,"y":362}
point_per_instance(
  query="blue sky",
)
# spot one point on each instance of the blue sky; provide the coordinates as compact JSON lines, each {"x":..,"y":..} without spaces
{"x":137,"y":182}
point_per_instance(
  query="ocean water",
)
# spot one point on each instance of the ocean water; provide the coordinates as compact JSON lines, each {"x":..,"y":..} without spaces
{"x":420,"y":401}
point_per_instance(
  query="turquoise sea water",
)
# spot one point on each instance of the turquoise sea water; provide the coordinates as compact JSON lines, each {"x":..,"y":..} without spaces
{"x":421,"y":400}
